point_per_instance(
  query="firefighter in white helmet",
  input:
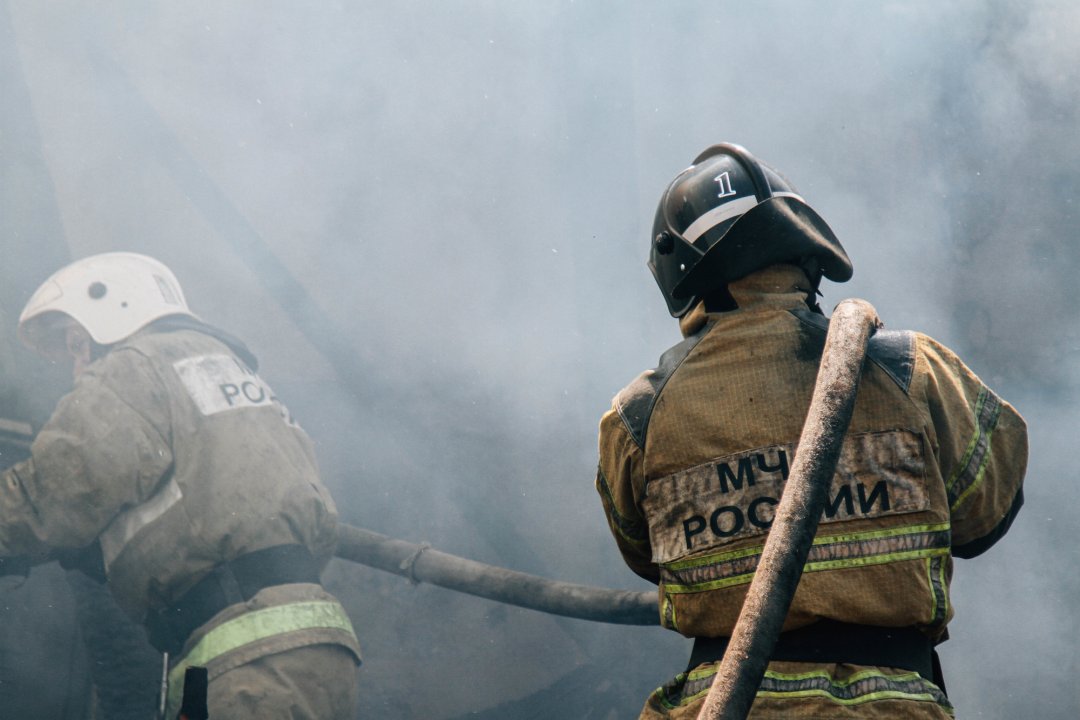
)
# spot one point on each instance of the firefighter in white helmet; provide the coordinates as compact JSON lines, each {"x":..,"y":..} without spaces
{"x":694,"y":455}
{"x":174,"y":464}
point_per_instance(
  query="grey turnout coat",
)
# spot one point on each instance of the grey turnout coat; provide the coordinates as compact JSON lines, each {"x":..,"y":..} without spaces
{"x":174,"y":456}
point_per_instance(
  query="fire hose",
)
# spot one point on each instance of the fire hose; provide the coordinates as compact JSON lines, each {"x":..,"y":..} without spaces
{"x":775,"y":580}
{"x":420,"y":563}
{"x":795,"y":523}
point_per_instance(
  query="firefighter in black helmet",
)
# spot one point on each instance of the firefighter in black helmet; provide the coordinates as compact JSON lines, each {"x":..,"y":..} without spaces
{"x":694,"y":455}
{"x":728,"y":215}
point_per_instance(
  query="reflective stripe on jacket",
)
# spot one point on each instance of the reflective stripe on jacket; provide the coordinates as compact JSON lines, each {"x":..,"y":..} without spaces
{"x":276,"y":619}
{"x":813,"y":691}
{"x":173,"y":454}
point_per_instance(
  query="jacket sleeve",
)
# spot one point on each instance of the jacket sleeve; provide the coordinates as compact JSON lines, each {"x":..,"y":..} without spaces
{"x":620,"y":482}
{"x":105,"y":448}
{"x":982,"y":450}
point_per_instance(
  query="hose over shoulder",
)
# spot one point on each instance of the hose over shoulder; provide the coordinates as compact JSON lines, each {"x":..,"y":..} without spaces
{"x":795,"y":523}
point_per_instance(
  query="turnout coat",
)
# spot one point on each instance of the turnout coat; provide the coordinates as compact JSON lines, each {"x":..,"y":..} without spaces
{"x":174,"y":457}
{"x":693,"y":459}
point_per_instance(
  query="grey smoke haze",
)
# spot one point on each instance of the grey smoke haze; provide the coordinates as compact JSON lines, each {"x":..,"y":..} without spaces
{"x":463,"y":193}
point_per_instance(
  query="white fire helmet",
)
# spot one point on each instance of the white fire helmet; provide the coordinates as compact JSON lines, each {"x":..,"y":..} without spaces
{"x":112,"y":296}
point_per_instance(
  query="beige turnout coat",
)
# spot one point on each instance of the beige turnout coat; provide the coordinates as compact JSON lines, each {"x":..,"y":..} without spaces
{"x":175,"y":456}
{"x":694,"y":455}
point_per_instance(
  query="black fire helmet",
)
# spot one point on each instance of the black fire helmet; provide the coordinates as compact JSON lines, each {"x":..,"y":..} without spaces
{"x":728,"y":215}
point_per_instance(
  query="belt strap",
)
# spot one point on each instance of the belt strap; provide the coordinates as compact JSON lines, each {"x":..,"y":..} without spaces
{"x":229,"y":583}
{"x":253,"y":626}
{"x":829,"y":641}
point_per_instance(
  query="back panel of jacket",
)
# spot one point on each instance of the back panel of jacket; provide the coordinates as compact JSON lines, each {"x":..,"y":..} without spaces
{"x":243,"y":475}
{"x":716,"y":462}
{"x":694,"y":456}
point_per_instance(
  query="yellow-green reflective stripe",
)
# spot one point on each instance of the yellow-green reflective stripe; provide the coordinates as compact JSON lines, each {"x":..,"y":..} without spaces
{"x":939,"y":593}
{"x":943,"y":586}
{"x":888,"y":532}
{"x":978,"y":477}
{"x":876,"y":559}
{"x":683,"y":699}
{"x":820,"y":540}
{"x":710,"y":585}
{"x":933,"y":595}
{"x":633,"y":531}
{"x":810,"y":567}
{"x":257,"y":625}
{"x":676,"y":684}
{"x":969,"y":474}
{"x":972,"y":444}
{"x":669,"y":613}
{"x":883,"y":695}
{"x":864,"y":686}
{"x":718,"y":558}
{"x":841,"y":682}
{"x":684,"y":688}
{"x":819,"y":544}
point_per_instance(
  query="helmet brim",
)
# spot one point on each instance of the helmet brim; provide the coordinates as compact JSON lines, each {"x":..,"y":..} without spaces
{"x":781,"y":229}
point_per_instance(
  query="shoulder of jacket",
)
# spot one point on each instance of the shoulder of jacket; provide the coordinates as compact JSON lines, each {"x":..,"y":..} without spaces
{"x":190,"y":329}
{"x":154,"y":353}
{"x":893,"y":351}
{"x":129,"y":370}
{"x":182,"y":341}
{"x":636,"y":401}
{"x":128,"y":352}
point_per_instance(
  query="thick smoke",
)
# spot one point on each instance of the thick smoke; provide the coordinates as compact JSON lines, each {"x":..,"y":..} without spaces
{"x":430,"y":221}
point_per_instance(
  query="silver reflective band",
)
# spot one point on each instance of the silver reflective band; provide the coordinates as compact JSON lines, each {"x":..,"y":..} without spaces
{"x":128,"y":523}
{"x":720,"y":213}
{"x":717,"y":215}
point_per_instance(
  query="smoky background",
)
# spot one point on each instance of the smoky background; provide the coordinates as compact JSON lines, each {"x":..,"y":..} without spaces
{"x":430,"y":221}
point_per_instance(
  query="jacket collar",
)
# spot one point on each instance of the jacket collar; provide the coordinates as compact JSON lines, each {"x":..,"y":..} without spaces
{"x":777,"y":287}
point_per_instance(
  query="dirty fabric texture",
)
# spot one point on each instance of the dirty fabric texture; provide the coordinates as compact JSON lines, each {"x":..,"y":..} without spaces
{"x":317,"y":682}
{"x":300,"y":675}
{"x":172,"y":456}
{"x":175,"y":456}
{"x":694,"y":455}
{"x":812,"y":690}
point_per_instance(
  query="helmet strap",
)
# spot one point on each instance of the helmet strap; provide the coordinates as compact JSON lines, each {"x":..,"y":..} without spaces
{"x":720,"y":300}
{"x":814,"y":273}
